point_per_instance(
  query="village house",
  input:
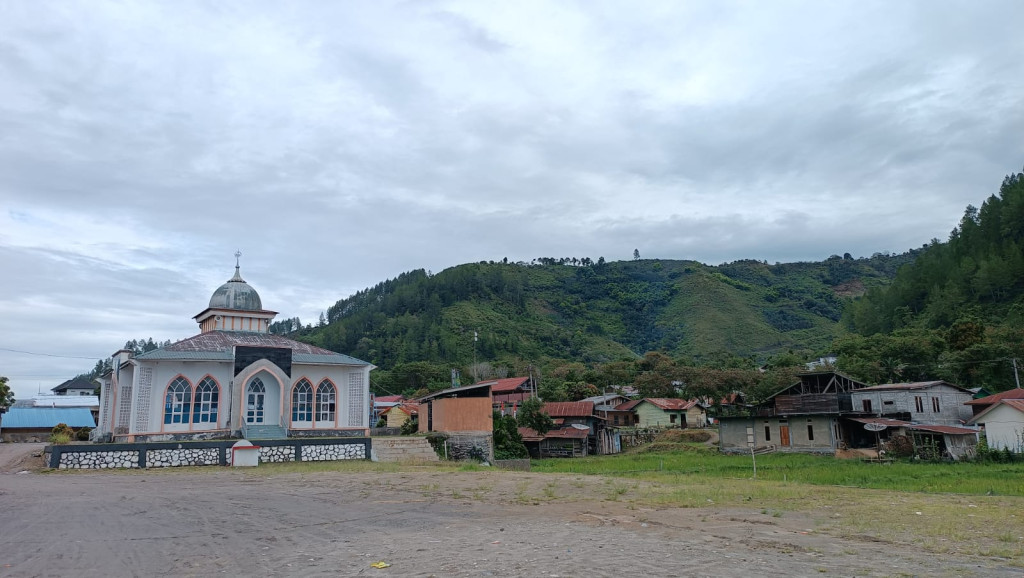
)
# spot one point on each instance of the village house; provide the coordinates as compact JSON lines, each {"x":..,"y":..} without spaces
{"x":931,"y":402}
{"x":666,"y":412}
{"x":509,"y":392}
{"x":464,"y":415}
{"x":396,"y":416}
{"x":1004,"y":423}
{"x":76,"y":386}
{"x":234,"y":379}
{"x":981,"y":404}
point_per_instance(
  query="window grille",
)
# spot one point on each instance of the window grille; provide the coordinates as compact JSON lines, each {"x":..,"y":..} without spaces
{"x":302,"y":401}
{"x":206,"y":402}
{"x":325,"y":401}
{"x":356,"y":400}
{"x":178,"y":402}
{"x":142,"y":407}
{"x":124,"y":407}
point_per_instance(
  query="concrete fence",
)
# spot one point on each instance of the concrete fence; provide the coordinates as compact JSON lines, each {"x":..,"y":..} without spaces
{"x":202,"y":453}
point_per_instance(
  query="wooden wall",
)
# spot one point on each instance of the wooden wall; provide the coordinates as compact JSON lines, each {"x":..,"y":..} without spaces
{"x":459,"y":414}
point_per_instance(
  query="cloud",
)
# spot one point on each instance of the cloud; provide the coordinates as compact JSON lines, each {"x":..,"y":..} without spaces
{"x":341,"y":144}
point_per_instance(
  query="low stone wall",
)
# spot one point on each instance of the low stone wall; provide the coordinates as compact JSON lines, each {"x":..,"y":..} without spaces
{"x":98,"y":460}
{"x":333,"y":452}
{"x":469,"y":445}
{"x":183,"y":457}
{"x":516,"y":465}
{"x":277,"y":454}
{"x":201,"y":453}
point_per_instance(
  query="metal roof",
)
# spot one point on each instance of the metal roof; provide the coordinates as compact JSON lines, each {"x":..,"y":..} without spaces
{"x":944,"y":429}
{"x":76,"y":383}
{"x":46,"y":417}
{"x":912,"y":386}
{"x":66,"y":401}
{"x":569,"y":408}
{"x":505,"y":385}
{"x":455,"y":391}
{"x":1017,"y":404}
{"x":1016,"y":393}
{"x":219,"y":346}
{"x":881,"y":421}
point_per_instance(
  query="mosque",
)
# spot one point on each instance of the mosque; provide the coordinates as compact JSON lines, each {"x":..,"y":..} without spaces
{"x":233,"y":379}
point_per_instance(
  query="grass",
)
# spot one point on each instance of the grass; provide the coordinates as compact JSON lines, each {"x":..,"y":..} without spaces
{"x":954,"y":478}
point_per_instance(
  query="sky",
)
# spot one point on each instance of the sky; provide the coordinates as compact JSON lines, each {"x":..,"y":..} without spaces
{"x":339,"y":144}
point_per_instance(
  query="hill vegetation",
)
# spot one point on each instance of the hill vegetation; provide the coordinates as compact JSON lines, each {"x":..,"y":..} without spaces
{"x":584,"y":324}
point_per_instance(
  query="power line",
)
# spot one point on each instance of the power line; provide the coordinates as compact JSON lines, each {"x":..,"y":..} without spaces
{"x":47,"y":354}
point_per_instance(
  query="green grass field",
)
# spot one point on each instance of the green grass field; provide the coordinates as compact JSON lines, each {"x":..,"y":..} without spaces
{"x":953,"y":478}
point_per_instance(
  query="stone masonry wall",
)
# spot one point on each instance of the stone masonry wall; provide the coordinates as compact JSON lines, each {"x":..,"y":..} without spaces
{"x":276,"y":454}
{"x":99,"y":460}
{"x":333,"y":452}
{"x":182,"y":457}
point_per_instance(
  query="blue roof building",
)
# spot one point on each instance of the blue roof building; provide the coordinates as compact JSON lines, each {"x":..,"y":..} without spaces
{"x":45,"y":417}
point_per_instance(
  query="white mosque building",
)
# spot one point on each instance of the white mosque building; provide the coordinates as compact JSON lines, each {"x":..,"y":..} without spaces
{"x":234,"y":379}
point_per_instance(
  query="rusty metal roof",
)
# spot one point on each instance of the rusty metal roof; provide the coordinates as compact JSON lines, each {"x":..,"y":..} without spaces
{"x":569,"y":408}
{"x":916,"y":385}
{"x":944,"y":429}
{"x":881,"y":421}
{"x":670,"y":404}
{"x":531,"y":435}
{"x":1016,"y":393}
{"x":506,"y":385}
{"x":1017,"y":404}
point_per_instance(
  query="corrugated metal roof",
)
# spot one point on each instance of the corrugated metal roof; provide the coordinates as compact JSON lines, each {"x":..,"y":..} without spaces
{"x":506,"y":385}
{"x":915,"y":385}
{"x":569,"y":408}
{"x":1017,"y":404}
{"x":671,"y":404}
{"x":46,"y":417}
{"x":1016,"y":393}
{"x":219,"y":345}
{"x":881,"y":420}
{"x":944,"y":429}
{"x":531,"y":435}
{"x":76,"y":383}
{"x":66,"y":401}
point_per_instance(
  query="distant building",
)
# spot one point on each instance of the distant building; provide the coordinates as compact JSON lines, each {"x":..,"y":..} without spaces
{"x":76,"y":386}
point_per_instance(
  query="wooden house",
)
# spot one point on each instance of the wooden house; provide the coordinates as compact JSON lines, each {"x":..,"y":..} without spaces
{"x":981,"y":404}
{"x":396,"y":416}
{"x":510,"y":391}
{"x":664,"y":412}
{"x":565,"y":442}
{"x":459,"y":409}
{"x":929,"y":402}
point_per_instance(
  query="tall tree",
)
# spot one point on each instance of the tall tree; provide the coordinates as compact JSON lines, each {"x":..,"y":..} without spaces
{"x":6,"y":395}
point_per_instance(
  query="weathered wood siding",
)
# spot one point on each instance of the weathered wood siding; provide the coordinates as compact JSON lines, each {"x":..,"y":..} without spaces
{"x":696,"y":417}
{"x":952,"y":410}
{"x":397,"y":417}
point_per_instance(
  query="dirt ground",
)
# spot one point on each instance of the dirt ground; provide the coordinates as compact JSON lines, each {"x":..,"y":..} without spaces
{"x":424,"y":522}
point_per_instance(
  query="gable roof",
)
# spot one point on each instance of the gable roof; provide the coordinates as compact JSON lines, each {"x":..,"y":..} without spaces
{"x":75,"y":383}
{"x":569,"y":408}
{"x":389,"y":398}
{"x":46,"y":417}
{"x":409,"y":409}
{"x":604,"y":399}
{"x":506,"y":385}
{"x":944,"y":429}
{"x":671,"y":404}
{"x":455,"y":391}
{"x":912,"y":386}
{"x":1016,"y":393}
{"x":629,"y":405}
{"x":1017,"y":404}
{"x":219,"y":346}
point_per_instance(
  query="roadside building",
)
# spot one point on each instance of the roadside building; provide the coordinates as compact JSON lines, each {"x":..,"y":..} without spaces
{"x":34,"y":424}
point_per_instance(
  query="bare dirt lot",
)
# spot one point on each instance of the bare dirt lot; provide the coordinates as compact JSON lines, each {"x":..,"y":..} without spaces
{"x":290,"y":521}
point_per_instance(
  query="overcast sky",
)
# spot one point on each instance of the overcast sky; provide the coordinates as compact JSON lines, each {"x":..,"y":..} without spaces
{"x":337,"y":144}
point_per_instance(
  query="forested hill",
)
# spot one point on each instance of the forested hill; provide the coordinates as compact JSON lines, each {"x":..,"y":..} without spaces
{"x":978,"y":274}
{"x":587,"y":311}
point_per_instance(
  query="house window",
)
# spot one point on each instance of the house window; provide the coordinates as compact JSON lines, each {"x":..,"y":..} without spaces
{"x":867,"y":405}
{"x":672,"y":418}
{"x":919,"y":404}
{"x":325,"y":401}
{"x":767,"y":433}
{"x":205,"y":407}
{"x":810,"y":433}
{"x":178,"y":403}
{"x":935,"y":405}
{"x":302,"y":401}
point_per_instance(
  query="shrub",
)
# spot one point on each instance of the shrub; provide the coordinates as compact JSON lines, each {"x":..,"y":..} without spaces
{"x":410,"y":427}
{"x":82,"y":434}
{"x":61,"y":434}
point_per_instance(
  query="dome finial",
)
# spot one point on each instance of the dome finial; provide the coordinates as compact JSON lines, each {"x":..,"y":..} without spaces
{"x":238,"y":274}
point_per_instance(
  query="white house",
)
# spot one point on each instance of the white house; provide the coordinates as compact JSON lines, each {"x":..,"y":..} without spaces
{"x":1004,"y":424}
{"x":234,"y":379}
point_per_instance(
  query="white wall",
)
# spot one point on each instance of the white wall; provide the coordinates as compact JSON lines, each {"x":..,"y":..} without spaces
{"x":1003,"y":428}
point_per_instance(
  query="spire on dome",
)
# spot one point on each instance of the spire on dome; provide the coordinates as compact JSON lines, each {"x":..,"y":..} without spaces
{"x":238,"y":274}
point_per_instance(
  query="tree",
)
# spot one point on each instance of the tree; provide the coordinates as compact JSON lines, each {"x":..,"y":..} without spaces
{"x":508,"y":444}
{"x":533,"y":416}
{"x":636,"y":254}
{"x":6,"y":395}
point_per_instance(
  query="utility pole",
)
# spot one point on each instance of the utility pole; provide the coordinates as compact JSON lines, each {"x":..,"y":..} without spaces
{"x":1016,"y":378}
{"x":476,"y":378}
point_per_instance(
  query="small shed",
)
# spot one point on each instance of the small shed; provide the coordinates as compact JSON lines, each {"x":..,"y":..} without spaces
{"x":566,"y":442}
{"x":20,"y":424}
{"x":949,"y":441}
{"x":1004,"y":424}
{"x":397,"y":416}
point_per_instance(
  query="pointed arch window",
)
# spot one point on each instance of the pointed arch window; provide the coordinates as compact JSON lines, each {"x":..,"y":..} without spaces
{"x":178,"y":402}
{"x":302,"y":401}
{"x":326,"y":396}
{"x":206,"y":401}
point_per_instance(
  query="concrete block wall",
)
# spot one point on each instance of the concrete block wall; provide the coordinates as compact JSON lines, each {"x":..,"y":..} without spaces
{"x":400,"y":449}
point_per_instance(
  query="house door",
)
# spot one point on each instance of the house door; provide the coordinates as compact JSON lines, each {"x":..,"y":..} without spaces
{"x":255,"y":396}
{"x":784,"y":435}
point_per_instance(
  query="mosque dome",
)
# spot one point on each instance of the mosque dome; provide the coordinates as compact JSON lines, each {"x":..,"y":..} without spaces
{"x":236,"y":294}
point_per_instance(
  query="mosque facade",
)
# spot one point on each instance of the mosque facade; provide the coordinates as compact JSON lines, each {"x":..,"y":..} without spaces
{"x":233,"y":379}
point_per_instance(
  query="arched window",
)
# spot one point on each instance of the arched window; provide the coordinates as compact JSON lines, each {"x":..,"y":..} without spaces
{"x":178,"y":403}
{"x":205,"y":408}
{"x":302,"y":401}
{"x":325,"y":400}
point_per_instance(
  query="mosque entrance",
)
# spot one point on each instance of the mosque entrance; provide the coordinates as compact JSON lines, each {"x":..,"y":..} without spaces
{"x":255,"y":398}
{"x":261,"y":405}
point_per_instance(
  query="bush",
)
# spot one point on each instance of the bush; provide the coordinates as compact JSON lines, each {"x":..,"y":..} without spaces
{"x":61,"y":434}
{"x":410,"y":427}
{"x":82,"y":434}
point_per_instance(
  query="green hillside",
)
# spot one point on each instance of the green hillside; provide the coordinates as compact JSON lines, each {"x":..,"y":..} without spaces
{"x":598,"y":312}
